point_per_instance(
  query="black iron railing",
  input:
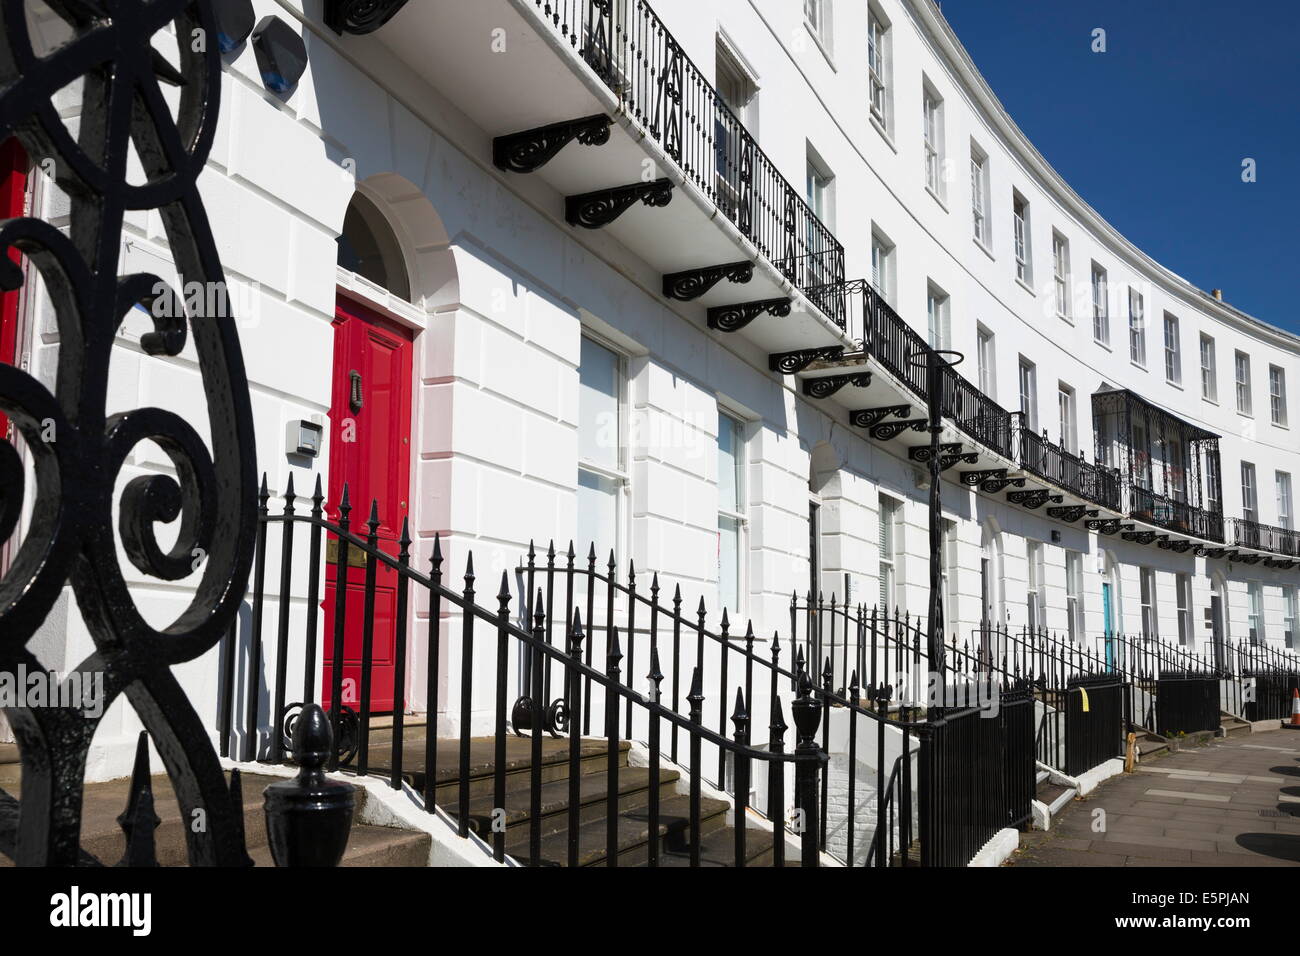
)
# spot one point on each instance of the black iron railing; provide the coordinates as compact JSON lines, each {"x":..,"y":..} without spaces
{"x":594,"y":673}
{"x":1165,"y":512}
{"x":1047,"y":460}
{"x":1263,"y":537}
{"x":628,"y":46}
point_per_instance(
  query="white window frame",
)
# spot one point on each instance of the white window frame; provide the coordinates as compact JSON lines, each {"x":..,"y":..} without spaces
{"x":1277,"y":395}
{"x":1028,"y":383}
{"x":882,"y":265}
{"x":1209,"y":370}
{"x":1255,"y":611}
{"x":1183,"y":602}
{"x":620,"y":474}
{"x":1137,"y":328}
{"x":1061,"y":274}
{"x":888,"y":514}
{"x":938,"y":320}
{"x":1173,"y":351}
{"x":979,"y":196}
{"x":1036,"y":598}
{"x":879,"y":62}
{"x":1285,"y":501}
{"x":1241,"y":379}
{"x":1067,"y":415}
{"x":1020,"y":234}
{"x":932,"y":138}
{"x":1100,"y":306}
{"x":817,"y":17}
{"x":1249,"y":499}
{"x":1290,"y":615}
{"x":1074,"y":596}
{"x":986,"y":361}
{"x":740,"y":516}
{"x":1150,"y":617}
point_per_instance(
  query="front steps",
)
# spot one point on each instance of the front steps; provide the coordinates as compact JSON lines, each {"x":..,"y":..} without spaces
{"x":102,"y":839}
{"x":717,"y":837}
{"x":1233,"y":726}
{"x":1050,"y":798}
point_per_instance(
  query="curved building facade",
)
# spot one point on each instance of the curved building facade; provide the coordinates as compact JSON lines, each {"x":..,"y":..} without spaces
{"x":675,"y":282}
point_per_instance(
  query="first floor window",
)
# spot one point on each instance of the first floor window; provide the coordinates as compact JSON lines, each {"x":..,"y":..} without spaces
{"x":1074,"y":595}
{"x":1291,"y":616}
{"x":731,"y":511}
{"x":1255,"y":619}
{"x":882,"y":254}
{"x":936,"y":308}
{"x":1150,"y":626}
{"x":601,"y":461}
{"x":1184,"y":598}
{"x":984,"y":357}
{"x":889,"y":513}
{"x":1029,"y":394}
{"x":1037,"y":598}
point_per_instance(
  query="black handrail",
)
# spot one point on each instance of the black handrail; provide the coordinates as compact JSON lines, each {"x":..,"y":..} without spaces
{"x":1049,"y":461}
{"x":1264,"y":537}
{"x":1163,"y":511}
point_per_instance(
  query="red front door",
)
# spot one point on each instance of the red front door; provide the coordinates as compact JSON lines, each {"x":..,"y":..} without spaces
{"x":13,"y":197}
{"x":370,"y":445}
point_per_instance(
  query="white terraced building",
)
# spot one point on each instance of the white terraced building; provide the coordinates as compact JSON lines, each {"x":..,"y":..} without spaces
{"x":554,"y":270}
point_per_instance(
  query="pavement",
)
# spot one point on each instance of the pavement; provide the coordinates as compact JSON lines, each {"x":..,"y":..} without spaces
{"x":1230,"y":802}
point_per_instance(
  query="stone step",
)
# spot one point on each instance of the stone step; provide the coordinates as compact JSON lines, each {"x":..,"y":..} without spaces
{"x":1233,"y":726}
{"x":719,"y":849}
{"x":633,"y":793}
{"x":482,"y":761}
{"x":102,"y":839}
{"x":633,"y":834}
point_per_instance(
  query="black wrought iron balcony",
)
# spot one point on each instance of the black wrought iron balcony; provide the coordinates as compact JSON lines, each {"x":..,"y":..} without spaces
{"x":1164,"y":512}
{"x":1244,"y":533}
{"x":628,"y":46}
{"x":1049,"y":461}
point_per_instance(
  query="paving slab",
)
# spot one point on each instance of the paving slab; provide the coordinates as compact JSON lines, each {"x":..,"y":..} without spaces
{"x":1228,"y":803}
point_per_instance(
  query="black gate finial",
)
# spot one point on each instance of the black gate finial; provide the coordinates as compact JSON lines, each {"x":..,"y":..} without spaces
{"x":78,"y":449}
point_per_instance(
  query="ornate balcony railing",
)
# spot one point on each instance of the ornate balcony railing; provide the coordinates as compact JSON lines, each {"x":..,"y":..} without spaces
{"x":660,"y":87}
{"x":1263,"y":537}
{"x":1165,"y":512}
{"x":1051,"y":462}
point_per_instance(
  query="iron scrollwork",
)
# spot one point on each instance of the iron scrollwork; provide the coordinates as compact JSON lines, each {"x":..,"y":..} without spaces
{"x":867,"y":417}
{"x":827,"y":386}
{"x":555,"y":716}
{"x":1071,"y":513}
{"x":791,"y":363}
{"x":888,"y":431}
{"x":693,"y":283}
{"x":1033,"y":499}
{"x":531,"y":149}
{"x":596,"y":209}
{"x":733,"y":318}
{"x":71,"y":536}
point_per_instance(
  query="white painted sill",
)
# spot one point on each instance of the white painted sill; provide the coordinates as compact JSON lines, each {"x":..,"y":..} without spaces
{"x":1026,"y":286}
{"x":884,"y":133}
{"x":984,"y":249}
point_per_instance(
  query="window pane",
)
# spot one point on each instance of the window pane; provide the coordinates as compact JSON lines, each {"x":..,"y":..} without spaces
{"x":729,"y":563}
{"x":597,"y":511}
{"x":598,"y":425}
{"x":728,"y":463}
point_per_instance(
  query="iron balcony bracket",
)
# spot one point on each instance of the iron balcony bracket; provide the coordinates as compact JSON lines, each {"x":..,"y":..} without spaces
{"x":790,"y":363}
{"x":599,"y":208}
{"x":827,"y":386}
{"x":1034,"y":499}
{"x":887,"y":431}
{"x":529,"y":150}
{"x":1140,"y":537}
{"x":1071,"y":513}
{"x":1104,"y":525}
{"x":1204,"y":552}
{"x":869,"y":417}
{"x":693,"y":283}
{"x":359,"y":17}
{"x":733,"y":318}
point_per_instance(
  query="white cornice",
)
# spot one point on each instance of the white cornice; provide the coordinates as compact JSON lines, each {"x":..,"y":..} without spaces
{"x":927,"y":15}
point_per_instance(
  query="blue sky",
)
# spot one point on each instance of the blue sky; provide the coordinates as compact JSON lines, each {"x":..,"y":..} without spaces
{"x":1152,"y":133}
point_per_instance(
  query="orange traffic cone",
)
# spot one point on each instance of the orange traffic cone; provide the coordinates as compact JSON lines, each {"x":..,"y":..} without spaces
{"x":1295,"y":710}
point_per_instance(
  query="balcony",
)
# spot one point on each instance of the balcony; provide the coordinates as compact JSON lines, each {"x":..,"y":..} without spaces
{"x":598,"y":100}
{"x":1243,"y":533}
{"x":1052,"y":463}
{"x":1171,"y":514}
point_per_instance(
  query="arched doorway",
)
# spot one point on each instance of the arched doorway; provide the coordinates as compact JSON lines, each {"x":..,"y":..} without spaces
{"x":370,"y":453}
